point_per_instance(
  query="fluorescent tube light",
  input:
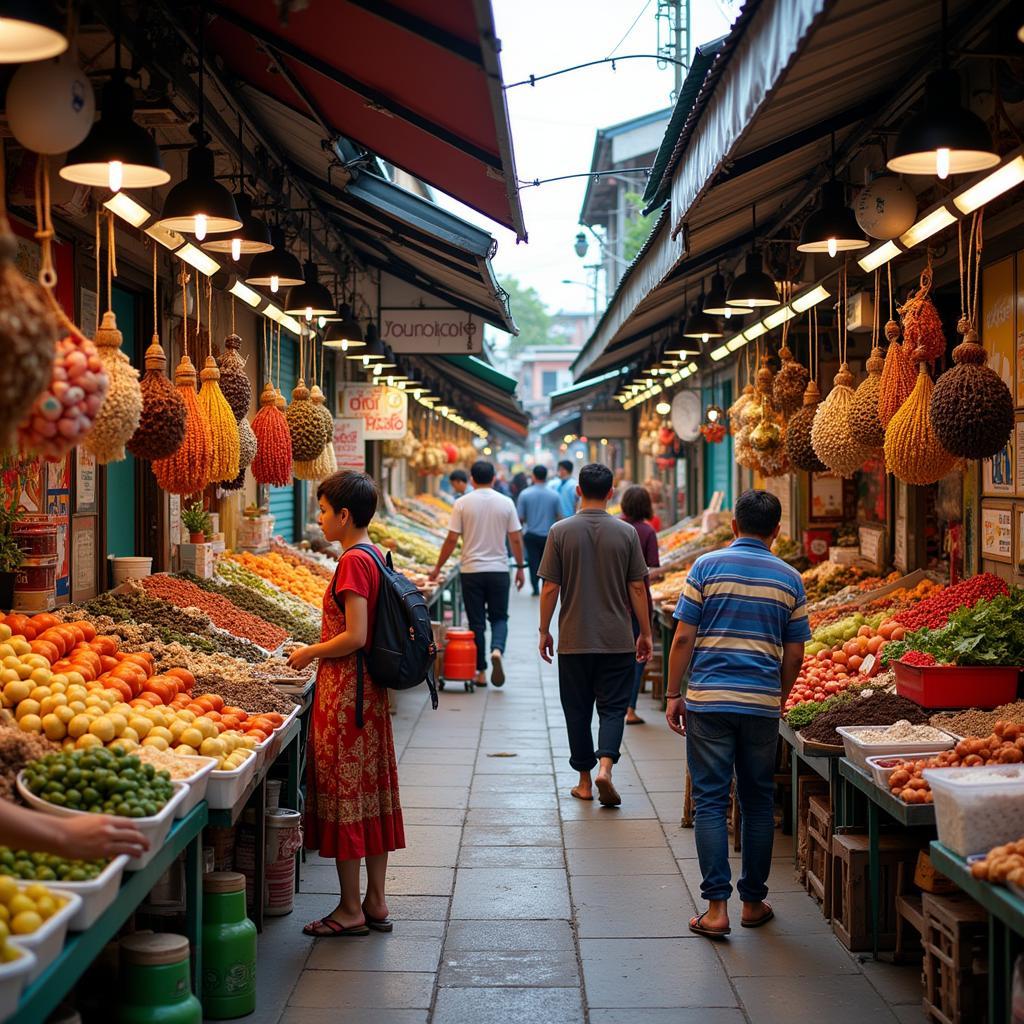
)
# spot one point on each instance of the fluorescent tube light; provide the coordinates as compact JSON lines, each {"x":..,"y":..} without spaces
{"x":991,"y":186}
{"x":755,"y":331}
{"x":736,"y":342}
{"x":128,"y":209}
{"x":927,"y":226}
{"x":197,"y":258}
{"x":243,"y":292}
{"x":719,"y":353}
{"x":778,"y":316}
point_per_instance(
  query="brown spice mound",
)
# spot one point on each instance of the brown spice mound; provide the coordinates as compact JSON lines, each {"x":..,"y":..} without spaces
{"x":979,"y":723}
{"x":17,"y":748}
{"x":877,"y":709}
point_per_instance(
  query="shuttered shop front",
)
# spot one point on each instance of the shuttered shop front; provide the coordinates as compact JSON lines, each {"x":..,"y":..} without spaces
{"x":285,"y":501}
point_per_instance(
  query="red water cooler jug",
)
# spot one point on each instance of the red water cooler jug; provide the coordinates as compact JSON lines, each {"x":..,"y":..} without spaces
{"x":459,"y":658}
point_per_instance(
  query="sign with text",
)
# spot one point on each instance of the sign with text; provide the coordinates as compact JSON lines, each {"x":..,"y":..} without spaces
{"x":349,"y":446}
{"x":607,"y":424}
{"x":384,"y":411}
{"x":431,"y":331}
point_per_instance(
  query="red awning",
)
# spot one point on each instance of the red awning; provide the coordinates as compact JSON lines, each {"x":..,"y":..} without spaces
{"x":416,"y":82}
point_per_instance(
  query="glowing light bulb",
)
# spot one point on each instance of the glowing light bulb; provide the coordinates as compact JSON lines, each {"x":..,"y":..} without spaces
{"x":376,"y":371}
{"x":236,"y":249}
{"x":200,"y":226}
{"x":115,"y":175}
{"x":704,"y":338}
{"x":366,"y":360}
{"x":728,"y":314}
{"x":275,"y":282}
{"x":832,"y":247}
{"x":320,"y":321}
{"x":942,"y":162}
{"x":309,"y":314}
{"x":344,"y":344}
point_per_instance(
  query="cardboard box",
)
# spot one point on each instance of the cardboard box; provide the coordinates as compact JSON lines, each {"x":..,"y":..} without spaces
{"x":253,"y":533}
{"x":197,"y":559}
{"x":844,"y":556}
{"x":928,"y":879}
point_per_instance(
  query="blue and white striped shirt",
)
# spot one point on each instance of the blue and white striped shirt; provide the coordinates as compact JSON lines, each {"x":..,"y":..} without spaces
{"x":746,"y":604}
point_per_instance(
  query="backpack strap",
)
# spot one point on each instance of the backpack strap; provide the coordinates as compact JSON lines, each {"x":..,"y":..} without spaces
{"x":360,"y":666}
{"x":359,"y":689}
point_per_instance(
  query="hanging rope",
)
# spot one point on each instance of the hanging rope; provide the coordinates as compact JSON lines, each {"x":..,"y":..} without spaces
{"x":155,"y":331}
{"x":209,"y":316}
{"x":44,"y":224}
{"x":111,"y":259}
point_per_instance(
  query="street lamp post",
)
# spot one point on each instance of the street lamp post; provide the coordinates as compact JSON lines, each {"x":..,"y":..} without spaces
{"x":586,"y":284}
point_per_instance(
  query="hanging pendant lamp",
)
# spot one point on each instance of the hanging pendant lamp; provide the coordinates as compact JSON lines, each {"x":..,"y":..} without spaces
{"x":276,"y":268}
{"x":715,"y":303}
{"x":254,"y":235}
{"x":700,"y":324}
{"x":833,"y":227}
{"x":29,"y":30}
{"x":753,"y":288}
{"x":310,"y":298}
{"x":373,"y":352}
{"x":345,"y":332}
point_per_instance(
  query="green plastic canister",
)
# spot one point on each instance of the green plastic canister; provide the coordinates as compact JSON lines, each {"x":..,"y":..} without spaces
{"x":229,"y":948}
{"x":154,"y":975}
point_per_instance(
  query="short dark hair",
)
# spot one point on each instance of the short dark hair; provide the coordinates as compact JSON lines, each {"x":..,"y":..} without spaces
{"x":540,"y":473}
{"x":566,"y":465}
{"x":757,"y":513}
{"x":355,"y":491}
{"x":458,"y":475}
{"x":595,"y":481}
{"x":636,"y":503}
{"x":482,"y":472}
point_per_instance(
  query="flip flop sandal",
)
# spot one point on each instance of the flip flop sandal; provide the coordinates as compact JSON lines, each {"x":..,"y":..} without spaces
{"x":334,"y":930}
{"x":575,"y":793}
{"x":636,"y":721}
{"x":708,"y":933}
{"x":764,"y":919}
{"x":607,"y":794}
{"x":378,"y":924}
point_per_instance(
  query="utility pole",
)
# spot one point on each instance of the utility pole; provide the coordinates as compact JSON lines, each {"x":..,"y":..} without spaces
{"x":672,"y":18}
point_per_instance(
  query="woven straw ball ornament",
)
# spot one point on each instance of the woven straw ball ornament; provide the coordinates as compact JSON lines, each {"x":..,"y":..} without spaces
{"x":161,"y":430}
{"x":187,"y":471}
{"x":830,"y":433}
{"x":121,"y":410}
{"x":865,"y":426}
{"x":798,"y":433}
{"x":735,"y":411}
{"x":273,"y":462}
{"x":789,"y":384}
{"x":304,"y":425}
{"x":223,"y":425}
{"x":913,"y":452}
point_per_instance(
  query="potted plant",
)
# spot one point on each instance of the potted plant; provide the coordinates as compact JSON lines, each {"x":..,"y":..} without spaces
{"x":11,"y":556}
{"x":197,"y":521}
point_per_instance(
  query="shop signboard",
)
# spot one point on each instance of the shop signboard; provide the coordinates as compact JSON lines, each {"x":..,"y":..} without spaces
{"x":607,"y":424}
{"x":431,"y":331}
{"x":997,"y":532}
{"x":349,"y":443}
{"x":1020,"y":328}
{"x":83,"y":578}
{"x":383,"y":410}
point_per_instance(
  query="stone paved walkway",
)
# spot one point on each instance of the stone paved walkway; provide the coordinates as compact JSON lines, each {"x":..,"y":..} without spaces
{"x":515,"y":903}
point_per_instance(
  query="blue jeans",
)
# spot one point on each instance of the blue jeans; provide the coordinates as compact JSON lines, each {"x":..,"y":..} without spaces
{"x":485,"y":595}
{"x":719,"y":744}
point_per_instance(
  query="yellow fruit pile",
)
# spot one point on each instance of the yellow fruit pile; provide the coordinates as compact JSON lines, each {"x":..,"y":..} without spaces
{"x":293,"y":579}
{"x":24,"y":910}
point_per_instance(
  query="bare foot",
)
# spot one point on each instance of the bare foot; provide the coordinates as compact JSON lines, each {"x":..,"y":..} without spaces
{"x":607,"y":794}
{"x":756,"y":914}
{"x":582,"y":792}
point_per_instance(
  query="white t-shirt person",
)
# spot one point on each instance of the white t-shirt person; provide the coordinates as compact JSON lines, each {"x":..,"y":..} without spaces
{"x":484,"y":518}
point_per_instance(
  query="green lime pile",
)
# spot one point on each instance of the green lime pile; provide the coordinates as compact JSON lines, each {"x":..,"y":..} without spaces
{"x":100,"y":781}
{"x":47,"y":867}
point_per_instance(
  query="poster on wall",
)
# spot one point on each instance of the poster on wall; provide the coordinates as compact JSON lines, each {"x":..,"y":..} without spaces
{"x":970,"y":507}
{"x":83,"y":578}
{"x":383,"y":410}
{"x":997,"y":532}
{"x":1019,"y":464}
{"x":1020,"y":328}
{"x":58,"y":507}
{"x":826,"y":497}
{"x":85,"y":482}
{"x":872,"y":493}
{"x":997,"y":330}
{"x":999,"y":474}
{"x":1019,"y":520}
{"x":349,"y":443}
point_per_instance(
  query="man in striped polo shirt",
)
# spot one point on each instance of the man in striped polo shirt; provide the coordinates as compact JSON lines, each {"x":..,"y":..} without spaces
{"x":741,"y":633}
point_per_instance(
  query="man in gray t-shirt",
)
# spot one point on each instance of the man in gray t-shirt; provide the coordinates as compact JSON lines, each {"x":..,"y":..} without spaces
{"x":594,"y":562}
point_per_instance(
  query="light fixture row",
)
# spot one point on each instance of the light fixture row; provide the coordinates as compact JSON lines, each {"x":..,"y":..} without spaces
{"x":645,"y":389}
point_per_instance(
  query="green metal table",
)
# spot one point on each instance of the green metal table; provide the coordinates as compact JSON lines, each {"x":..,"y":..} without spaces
{"x":81,"y":948}
{"x":907,"y":815}
{"x":1005,"y":926}
{"x":447,"y":597}
{"x":667,"y":625}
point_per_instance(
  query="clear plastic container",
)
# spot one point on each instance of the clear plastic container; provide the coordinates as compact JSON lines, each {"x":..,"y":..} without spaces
{"x":978,"y":808}
{"x":97,"y":894}
{"x":859,"y":752}
{"x":881,"y":766}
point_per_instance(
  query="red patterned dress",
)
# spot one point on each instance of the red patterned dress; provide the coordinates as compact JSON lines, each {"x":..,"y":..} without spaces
{"x":352,"y":806}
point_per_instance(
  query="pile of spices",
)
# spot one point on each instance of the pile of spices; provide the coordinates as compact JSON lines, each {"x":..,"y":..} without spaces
{"x":979,"y":723}
{"x":17,"y":748}
{"x":871,"y":708}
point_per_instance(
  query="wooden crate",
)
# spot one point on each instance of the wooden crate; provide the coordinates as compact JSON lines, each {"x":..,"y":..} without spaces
{"x":955,"y":967}
{"x":806,"y":787}
{"x":819,"y":852}
{"x":851,"y":894}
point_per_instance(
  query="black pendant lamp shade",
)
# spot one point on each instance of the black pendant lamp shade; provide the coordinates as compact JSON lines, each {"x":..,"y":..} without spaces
{"x":276,"y":268}
{"x":715,"y":302}
{"x":374,"y":352}
{"x":117,"y":153}
{"x":344,"y":332}
{"x":753,"y":288}
{"x":252,"y":237}
{"x":310,"y":298}
{"x":700,"y":324}
{"x":200,"y":205}
{"x":832,"y":227}
{"x":945,"y":137}
{"x":30,"y":30}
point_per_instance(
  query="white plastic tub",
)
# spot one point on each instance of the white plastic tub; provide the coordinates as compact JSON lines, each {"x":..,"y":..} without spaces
{"x":97,"y":894}
{"x":154,"y":828}
{"x":268,"y":750}
{"x":978,"y":808}
{"x":225,"y":788}
{"x":198,"y":784}
{"x":47,"y":942}
{"x":13,"y":979}
{"x":131,"y":568}
{"x":881,"y":766}
{"x":859,"y":752}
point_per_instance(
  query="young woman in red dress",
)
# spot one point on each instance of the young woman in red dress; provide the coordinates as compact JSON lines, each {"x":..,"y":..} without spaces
{"x":352,"y":807}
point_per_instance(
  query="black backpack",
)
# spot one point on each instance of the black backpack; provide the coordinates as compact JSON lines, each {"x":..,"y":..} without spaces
{"x":403,"y":649}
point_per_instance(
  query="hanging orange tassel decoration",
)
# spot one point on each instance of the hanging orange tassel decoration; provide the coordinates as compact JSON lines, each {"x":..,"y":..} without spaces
{"x":273,"y":462}
{"x":187,"y":471}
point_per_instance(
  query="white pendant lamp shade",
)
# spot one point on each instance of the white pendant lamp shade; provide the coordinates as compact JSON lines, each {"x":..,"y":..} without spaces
{"x":29,"y":30}
{"x":117,"y":153}
{"x":200,"y":205}
{"x":51,"y":104}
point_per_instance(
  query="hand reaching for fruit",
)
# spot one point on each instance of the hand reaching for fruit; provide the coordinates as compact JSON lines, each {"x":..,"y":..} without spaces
{"x":85,"y":837}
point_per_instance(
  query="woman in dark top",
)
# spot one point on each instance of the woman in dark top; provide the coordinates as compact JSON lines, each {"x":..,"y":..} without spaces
{"x":636,"y":510}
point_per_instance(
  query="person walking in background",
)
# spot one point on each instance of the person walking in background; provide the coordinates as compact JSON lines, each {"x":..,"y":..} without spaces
{"x":519,"y":484}
{"x":741,"y":633}
{"x":594,"y":563}
{"x":636,"y":510}
{"x":485,"y":520}
{"x":539,"y":509}
{"x":353,"y":812}
{"x":565,"y":488}
{"x":459,"y":481}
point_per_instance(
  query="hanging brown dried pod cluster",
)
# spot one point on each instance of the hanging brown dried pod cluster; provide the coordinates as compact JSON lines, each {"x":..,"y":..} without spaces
{"x":187,"y":471}
{"x":247,"y":446}
{"x":273,"y":462}
{"x":304,"y":425}
{"x":736,"y":410}
{"x":161,"y":430}
{"x":865,"y":426}
{"x":922,"y":326}
{"x":789,"y":384}
{"x":913,"y":452}
{"x":830,"y":433}
{"x":766,"y":436}
{"x":774,"y":463}
{"x":234,"y":383}
{"x":765,"y":377}
{"x":798,"y":433}
{"x":898,"y":376}
{"x":121,"y":411}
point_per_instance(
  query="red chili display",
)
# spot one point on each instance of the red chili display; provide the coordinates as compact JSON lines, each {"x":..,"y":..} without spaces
{"x":918,"y":658}
{"x":934,"y":612}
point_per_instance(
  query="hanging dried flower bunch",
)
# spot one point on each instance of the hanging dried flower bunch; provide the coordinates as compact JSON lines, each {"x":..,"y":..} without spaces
{"x":735,"y":411}
{"x":247,"y":446}
{"x":273,"y":462}
{"x":223,"y":425}
{"x":767,"y":435}
{"x":899,"y":374}
{"x":187,"y":471}
{"x":971,"y":406}
{"x":316,"y":396}
{"x":304,"y":425}
{"x":865,"y":426}
{"x":798,"y":433}
{"x":29,"y":327}
{"x":913,"y":452}
{"x":922,"y":326}
{"x":161,"y":430}
{"x":790,"y":382}
{"x":234,"y":382}
{"x":765,"y":377}
{"x":121,"y":410}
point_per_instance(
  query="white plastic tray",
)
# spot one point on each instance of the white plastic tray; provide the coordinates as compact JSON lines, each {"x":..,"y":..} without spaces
{"x":13,"y":979}
{"x":267,"y":751}
{"x":47,"y":942}
{"x":97,"y":894}
{"x":881,"y":775}
{"x":154,"y":828}
{"x":972,"y":817}
{"x":859,"y":752}
{"x":197,"y":785}
{"x":224,"y":788}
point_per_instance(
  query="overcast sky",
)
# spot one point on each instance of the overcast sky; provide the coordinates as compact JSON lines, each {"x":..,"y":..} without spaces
{"x":554,"y":122}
